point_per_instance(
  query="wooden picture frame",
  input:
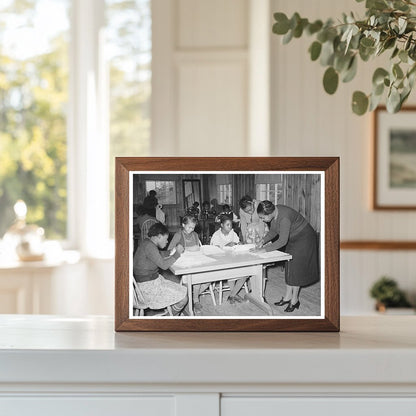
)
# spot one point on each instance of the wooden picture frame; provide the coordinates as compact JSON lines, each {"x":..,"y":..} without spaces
{"x":394,"y":159}
{"x":293,"y":170}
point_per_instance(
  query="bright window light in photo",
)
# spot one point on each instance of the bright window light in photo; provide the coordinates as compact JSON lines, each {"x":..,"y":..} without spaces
{"x":269,"y":191}
{"x":165,"y":191}
{"x":33,"y":102}
{"x":225,"y":194}
{"x":129,"y":57}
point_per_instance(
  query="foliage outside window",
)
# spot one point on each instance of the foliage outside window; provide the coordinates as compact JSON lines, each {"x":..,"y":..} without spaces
{"x":33,"y":102}
{"x":225,"y":194}
{"x":165,"y":191}
{"x":129,"y":56}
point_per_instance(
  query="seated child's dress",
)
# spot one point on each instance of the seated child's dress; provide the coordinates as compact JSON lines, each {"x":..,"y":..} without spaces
{"x":190,"y":242}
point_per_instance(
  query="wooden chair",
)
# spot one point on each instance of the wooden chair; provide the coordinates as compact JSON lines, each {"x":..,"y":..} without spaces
{"x":146,"y":226}
{"x":140,"y":305}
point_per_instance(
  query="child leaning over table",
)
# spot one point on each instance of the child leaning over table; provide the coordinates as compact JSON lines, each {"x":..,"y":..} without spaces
{"x":189,"y":239}
{"x":225,"y":236}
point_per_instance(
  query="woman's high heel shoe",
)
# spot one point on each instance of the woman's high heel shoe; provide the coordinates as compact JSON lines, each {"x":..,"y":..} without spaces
{"x":282,"y":302}
{"x":291,"y":307}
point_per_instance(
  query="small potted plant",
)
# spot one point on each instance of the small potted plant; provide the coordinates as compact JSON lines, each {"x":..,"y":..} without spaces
{"x":387,"y":294}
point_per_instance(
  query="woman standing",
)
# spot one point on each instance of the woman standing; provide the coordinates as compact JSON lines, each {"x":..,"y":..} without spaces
{"x":252,"y":227}
{"x":299,"y":239}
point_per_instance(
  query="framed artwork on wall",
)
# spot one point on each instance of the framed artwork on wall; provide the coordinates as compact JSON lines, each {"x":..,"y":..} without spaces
{"x":394,"y":179}
{"x":266,"y":258}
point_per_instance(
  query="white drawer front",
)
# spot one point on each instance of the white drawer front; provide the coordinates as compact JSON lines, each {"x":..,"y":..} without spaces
{"x":273,"y":406}
{"x":87,"y":406}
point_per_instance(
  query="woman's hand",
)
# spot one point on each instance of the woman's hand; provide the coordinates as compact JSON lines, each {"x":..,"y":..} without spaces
{"x":180,"y":249}
{"x":260,"y":244}
{"x":257,"y":250}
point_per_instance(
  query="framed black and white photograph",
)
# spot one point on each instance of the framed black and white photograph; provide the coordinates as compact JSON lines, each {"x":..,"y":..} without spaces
{"x":232,"y":244}
{"x":394,"y":159}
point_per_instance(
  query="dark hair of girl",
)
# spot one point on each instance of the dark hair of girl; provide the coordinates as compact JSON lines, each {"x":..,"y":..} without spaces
{"x":224,"y":218}
{"x":157,"y":229}
{"x":188,"y":218}
{"x":265,"y":207}
{"x":245,"y":201}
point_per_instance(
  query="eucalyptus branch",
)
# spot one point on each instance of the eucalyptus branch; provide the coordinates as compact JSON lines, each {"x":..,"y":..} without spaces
{"x":388,"y":26}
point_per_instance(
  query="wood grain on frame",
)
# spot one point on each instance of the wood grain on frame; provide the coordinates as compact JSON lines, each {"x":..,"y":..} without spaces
{"x":328,"y":165}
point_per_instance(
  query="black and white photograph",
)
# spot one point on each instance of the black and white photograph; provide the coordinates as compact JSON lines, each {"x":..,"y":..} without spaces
{"x":226,"y":244}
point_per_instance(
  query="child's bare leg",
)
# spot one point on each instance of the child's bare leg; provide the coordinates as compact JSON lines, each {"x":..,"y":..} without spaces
{"x":238,"y":284}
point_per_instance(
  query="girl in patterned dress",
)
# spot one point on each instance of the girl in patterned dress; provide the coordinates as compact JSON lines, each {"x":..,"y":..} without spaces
{"x":189,"y":239}
{"x":157,"y":291}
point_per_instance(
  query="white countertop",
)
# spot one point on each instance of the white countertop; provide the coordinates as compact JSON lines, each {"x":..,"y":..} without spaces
{"x":52,"y":349}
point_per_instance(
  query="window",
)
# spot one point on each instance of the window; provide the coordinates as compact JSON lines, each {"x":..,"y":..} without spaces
{"x":269,"y":191}
{"x":165,"y":191}
{"x":59,"y":134}
{"x":225,"y":194}
{"x":129,"y":57}
{"x":33,"y":110}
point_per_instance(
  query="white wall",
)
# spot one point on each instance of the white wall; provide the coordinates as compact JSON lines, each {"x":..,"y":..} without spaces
{"x":308,"y":122}
{"x":209,"y":72}
{"x":218,"y":78}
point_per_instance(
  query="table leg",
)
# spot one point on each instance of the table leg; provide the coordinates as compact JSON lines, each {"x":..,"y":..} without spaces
{"x":190,"y":297}
{"x":256,"y":295}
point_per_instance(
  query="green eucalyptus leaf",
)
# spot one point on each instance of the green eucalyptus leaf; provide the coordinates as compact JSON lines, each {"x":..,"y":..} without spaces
{"x":281,"y":26}
{"x":389,"y":43}
{"x":366,"y":53}
{"x":387,"y":82}
{"x":374,"y":101}
{"x":288,"y":37}
{"x":379,"y":75}
{"x":395,"y":52}
{"x":359,"y":103}
{"x":314,"y":27}
{"x":393,"y":101}
{"x":315,"y":50}
{"x":330,"y":80}
{"x":322,"y":36}
{"x":403,"y":56}
{"x":327,"y":53}
{"x":341,"y":61}
{"x":397,"y":71}
{"x":400,"y":5}
{"x":378,"y":89}
{"x":408,"y":42}
{"x":367,"y":42}
{"x":350,"y":73}
{"x":376,"y":4}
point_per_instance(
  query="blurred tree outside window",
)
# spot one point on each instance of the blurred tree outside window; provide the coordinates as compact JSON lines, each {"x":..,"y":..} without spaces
{"x":33,"y":101}
{"x":34,"y":94}
{"x":129,"y":52}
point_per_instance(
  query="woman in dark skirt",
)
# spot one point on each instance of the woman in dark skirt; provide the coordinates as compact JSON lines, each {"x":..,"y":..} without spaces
{"x":291,"y":230}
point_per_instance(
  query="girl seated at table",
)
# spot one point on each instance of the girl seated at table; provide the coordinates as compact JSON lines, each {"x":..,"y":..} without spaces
{"x":156,"y":290}
{"x":225,"y":236}
{"x":189,"y":239}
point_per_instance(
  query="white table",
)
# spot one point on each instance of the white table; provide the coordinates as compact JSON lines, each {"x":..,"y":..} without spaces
{"x":53,"y":365}
{"x":236,"y":264}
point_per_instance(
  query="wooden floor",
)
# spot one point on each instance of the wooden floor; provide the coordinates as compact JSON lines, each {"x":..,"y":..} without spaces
{"x":310,"y":300}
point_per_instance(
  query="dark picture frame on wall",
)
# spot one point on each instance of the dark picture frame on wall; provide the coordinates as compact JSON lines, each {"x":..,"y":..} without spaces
{"x":259,"y":251}
{"x":394,"y":152}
